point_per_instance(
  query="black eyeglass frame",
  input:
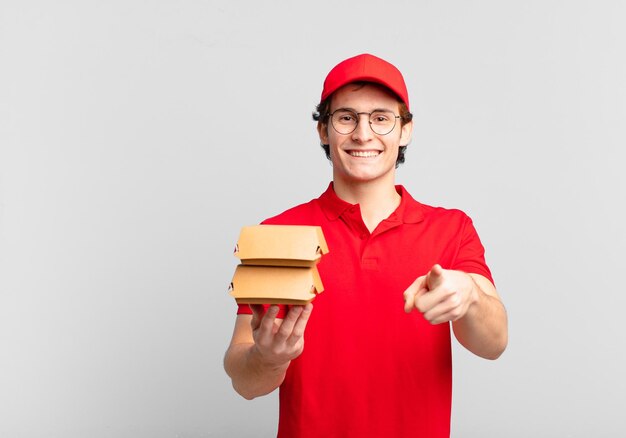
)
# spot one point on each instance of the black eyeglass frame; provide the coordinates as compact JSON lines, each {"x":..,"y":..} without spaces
{"x":358,"y":120}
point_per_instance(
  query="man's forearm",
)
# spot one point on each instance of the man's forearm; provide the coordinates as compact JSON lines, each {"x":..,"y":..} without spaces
{"x":250,"y":376}
{"x":483,"y":329}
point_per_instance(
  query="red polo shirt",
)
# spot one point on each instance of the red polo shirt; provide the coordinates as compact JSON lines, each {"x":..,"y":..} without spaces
{"x":369,"y":369}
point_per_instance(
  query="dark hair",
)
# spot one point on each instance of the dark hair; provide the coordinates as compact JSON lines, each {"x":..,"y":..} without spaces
{"x":322,"y":112}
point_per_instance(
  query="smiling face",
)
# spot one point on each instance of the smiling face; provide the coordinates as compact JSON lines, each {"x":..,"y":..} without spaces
{"x":364,"y":156}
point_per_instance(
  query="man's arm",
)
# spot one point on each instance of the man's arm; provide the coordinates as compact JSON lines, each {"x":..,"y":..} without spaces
{"x":469,"y":301}
{"x":262,"y":347}
{"x":483,"y":330}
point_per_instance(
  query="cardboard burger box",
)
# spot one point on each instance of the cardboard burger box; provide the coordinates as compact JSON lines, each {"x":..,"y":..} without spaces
{"x":278,"y":264}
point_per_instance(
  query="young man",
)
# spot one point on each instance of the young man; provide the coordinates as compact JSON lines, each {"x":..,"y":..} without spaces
{"x":377,"y":359}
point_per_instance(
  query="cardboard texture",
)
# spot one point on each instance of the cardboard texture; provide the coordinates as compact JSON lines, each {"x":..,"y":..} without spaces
{"x":275,"y":284}
{"x":281,"y":245}
{"x":278,"y":264}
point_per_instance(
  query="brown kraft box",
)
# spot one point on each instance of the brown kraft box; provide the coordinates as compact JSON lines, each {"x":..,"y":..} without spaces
{"x":278,"y":264}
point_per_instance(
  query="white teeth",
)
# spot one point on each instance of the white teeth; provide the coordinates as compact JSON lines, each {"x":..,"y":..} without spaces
{"x":364,"y":153}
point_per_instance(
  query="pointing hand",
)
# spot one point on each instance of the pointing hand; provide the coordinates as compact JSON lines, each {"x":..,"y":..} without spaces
{"x":441,"y":295}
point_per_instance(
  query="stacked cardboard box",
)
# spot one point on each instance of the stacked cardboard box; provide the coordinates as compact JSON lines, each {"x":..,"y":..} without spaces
{"x":278,"y":264}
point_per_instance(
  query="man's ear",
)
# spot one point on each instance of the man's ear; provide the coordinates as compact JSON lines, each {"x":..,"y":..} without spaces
{"x":322,"y":131}
{"x":407,"y":134}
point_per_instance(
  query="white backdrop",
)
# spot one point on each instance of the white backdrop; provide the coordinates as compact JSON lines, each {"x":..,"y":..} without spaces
{"x":138,"y":137}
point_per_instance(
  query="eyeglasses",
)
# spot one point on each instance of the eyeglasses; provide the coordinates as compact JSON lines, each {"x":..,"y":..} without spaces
{"x":345,"y":121}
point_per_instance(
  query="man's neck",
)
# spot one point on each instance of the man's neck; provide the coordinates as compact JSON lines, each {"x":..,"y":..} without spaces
{"x":377,"y":199}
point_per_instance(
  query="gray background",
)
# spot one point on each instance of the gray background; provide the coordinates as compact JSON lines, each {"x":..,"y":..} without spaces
{"x":138,"y":137}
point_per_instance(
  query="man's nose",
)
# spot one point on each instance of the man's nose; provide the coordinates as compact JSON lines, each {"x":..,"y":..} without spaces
{"x":363,"y":131}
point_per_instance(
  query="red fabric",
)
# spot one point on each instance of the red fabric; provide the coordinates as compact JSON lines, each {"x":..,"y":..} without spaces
{"x":368,"y":369}
{"x":366,"y":67}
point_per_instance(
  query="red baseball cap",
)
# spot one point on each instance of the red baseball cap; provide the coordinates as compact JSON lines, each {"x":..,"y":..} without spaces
{"x":369,"y":68}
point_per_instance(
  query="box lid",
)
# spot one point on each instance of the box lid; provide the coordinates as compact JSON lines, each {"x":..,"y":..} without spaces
{"x":281,"y":245}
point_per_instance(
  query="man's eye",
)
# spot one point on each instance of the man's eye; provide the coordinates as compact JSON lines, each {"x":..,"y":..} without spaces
{"x":346,"y":117}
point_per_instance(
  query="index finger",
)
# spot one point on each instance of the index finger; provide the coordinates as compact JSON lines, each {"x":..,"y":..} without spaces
{"x":300,"y":325}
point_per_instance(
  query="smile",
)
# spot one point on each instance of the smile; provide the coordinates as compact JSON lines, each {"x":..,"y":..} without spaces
{"x":364,"y":154}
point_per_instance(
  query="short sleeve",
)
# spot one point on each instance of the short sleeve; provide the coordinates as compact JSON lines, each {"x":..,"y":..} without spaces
{"x":470,"y":257}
